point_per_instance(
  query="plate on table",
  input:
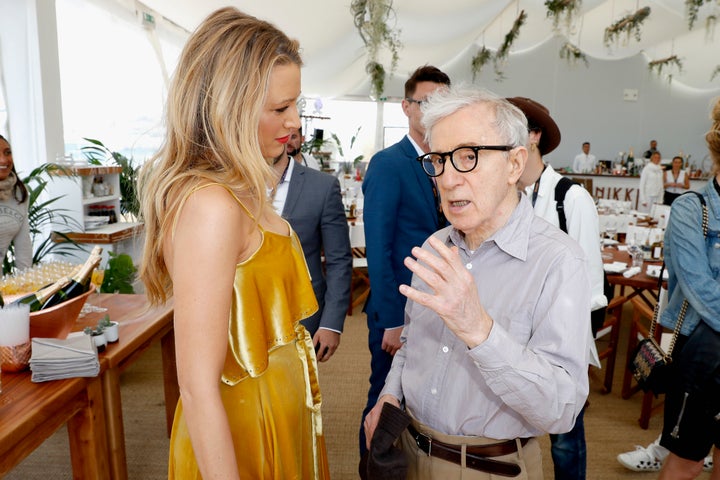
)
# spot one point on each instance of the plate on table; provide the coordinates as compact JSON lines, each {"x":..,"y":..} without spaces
{"x":92,"y":223}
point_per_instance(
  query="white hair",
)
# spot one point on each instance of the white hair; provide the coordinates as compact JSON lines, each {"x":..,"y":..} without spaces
{"x":510,"y":122}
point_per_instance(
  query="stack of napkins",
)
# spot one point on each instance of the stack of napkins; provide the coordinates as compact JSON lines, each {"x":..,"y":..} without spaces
{"x":615,"y":267}
{"x":631,"y":272}
{"x":55,"y":359}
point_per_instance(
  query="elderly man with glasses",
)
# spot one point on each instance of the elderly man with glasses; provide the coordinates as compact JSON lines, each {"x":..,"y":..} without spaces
{"x":485,"y":365}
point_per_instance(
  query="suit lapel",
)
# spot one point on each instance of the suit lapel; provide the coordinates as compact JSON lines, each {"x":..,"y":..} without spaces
{"x":294,"y":189}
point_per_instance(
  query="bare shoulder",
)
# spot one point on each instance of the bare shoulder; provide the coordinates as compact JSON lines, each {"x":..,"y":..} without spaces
{"x":215,"y":206}
{"x":213,"y":219}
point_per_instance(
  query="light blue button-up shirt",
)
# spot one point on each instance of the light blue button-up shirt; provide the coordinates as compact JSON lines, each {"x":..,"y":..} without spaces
{"x":530,"y":376}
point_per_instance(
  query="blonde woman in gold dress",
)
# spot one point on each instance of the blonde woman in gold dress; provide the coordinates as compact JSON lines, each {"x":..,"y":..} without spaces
{"x":249,"y":398}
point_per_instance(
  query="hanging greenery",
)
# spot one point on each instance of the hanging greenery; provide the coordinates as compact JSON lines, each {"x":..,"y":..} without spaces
{"x":692,"y":7}
{"x":629,"y":24}
{"x":377,"y":78}
{"x":670,"y":61}
{"x":482,"y":57}
{"x":710,"y":23}
{"x":715,"y":73}
{"x":510,"y":37}
{"x":371,"y":19}
{"x":562,"y":10}
{"x":572,"y":54}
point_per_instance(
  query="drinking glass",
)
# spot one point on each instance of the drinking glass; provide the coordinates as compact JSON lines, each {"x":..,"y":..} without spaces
{"x":611,"y":228}
{"x":636,"y":255}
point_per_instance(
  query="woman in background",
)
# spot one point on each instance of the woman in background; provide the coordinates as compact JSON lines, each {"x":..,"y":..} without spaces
{"x":249,"y":398}
{"x":691,"y":425}
{"x":676,"y":181}
{"x":14,"y":225}
{"x":651,"y":184}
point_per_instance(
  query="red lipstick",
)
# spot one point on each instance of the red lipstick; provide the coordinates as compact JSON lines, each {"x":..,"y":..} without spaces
{"x":284,"y":139}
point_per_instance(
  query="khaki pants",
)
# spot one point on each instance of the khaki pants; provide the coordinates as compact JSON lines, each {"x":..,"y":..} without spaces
{"x":422,"y":467}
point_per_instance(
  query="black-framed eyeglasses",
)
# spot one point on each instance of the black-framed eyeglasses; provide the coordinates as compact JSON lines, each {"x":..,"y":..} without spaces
{"x":464,"y":159}
{"x":412,"y":100}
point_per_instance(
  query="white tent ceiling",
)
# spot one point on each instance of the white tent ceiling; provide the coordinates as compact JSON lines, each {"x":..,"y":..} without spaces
{"x":440,"y":32}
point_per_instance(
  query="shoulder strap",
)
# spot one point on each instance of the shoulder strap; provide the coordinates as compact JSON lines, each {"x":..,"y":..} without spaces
{"x":560,"y":190}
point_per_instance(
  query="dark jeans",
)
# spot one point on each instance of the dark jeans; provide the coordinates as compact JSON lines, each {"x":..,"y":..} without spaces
{"x":569,"y":452}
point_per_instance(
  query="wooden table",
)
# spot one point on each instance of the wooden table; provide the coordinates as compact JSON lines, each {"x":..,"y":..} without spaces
{"x":140,"y":327}
{"x":642,"y":284}
{"x":32,"y":412}
{"x":92,"y":407}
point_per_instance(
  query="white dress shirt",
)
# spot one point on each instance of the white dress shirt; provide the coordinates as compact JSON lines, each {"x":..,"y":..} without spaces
{"x":584,"y":163}
{"x":651,"y":186}
{"x":281,"y":190}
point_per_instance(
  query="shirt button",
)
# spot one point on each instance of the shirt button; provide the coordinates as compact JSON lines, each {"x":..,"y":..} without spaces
{"x":717,"y":245}
{"x":433,"y":391}
{"x":445,"y":349}
{"x":469,"y":266}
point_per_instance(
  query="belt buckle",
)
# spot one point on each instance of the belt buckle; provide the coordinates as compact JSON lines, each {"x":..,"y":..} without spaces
{"x":424,"y":443}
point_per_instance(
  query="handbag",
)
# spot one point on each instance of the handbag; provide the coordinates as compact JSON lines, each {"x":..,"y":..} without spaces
{"x":650,"y":365}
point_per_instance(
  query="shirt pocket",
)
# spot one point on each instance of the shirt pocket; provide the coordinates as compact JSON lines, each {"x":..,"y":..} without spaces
{"x":713,"y":251}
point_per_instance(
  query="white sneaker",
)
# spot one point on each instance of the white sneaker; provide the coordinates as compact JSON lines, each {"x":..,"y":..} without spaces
{"x":650,"y":458}
{"x":708,"y":463}
{"x":644,"y":459}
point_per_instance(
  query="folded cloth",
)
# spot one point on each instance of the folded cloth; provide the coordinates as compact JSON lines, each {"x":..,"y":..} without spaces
{"x":385,"y":460}
{"x":54,"y":359}
{"x":654,"y":271}
{"x":614,"y":267}
{"x":631,"y":272}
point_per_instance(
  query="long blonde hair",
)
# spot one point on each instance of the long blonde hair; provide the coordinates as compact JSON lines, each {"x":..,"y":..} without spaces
{"x":212,"y":116}
{"x":713,"y":136}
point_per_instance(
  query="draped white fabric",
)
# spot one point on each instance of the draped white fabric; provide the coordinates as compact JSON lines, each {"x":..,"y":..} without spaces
{"x":440,"y":33}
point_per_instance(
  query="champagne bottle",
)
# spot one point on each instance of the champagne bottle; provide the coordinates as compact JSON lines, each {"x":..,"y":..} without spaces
{"x":36,"y":300}
{"x":78,"y":284}
{"x":631,"y":162}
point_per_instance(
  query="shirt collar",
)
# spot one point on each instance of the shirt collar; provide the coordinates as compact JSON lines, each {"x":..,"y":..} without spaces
{"x":291,"y":167}
{"x":512,"y":238}
{"x":417,"y":147}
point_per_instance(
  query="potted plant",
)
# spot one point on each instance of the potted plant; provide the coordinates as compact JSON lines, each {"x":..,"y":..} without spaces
{"x":347,"y":165}
{"x":119,"y":274}
{"x":110,"y":328}
{"x":129,"y":202}
{"x":98,"y":336}
{"x":314,"y":146}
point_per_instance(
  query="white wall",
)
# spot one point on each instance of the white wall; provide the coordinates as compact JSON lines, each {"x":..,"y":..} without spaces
{"x":587,"y":103}
{"x":28,"y":49}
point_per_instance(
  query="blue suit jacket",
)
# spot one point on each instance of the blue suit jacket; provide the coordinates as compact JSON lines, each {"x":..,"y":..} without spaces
{"x":399,"y":213}
{"x":315,"y":211}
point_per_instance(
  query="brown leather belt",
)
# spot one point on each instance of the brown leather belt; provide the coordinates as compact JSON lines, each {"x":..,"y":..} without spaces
{"x":477,"y":457}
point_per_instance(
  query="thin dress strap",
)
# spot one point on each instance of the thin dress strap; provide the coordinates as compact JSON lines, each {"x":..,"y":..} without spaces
{"x":200,"y":187}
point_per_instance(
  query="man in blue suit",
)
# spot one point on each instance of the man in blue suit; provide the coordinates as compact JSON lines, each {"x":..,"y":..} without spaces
{"x":401,"y":210}
{"x":311,"y":202}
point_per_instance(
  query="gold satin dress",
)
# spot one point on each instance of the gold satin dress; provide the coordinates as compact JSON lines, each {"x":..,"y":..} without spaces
{"x":269,"y":384}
